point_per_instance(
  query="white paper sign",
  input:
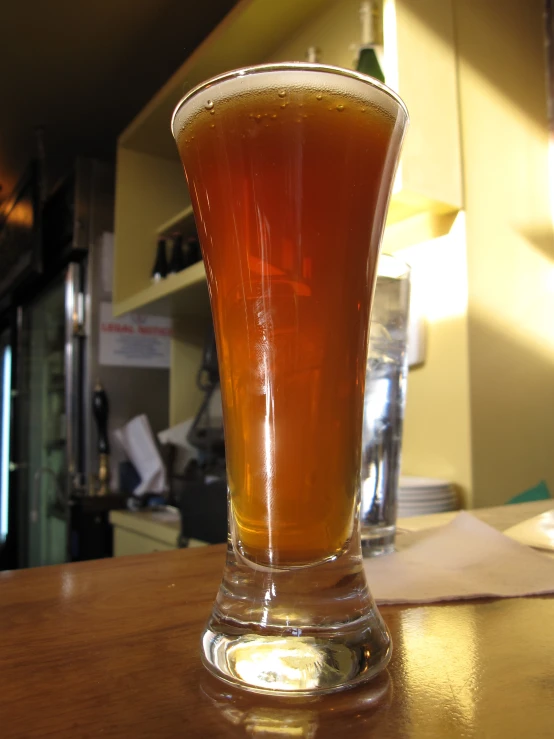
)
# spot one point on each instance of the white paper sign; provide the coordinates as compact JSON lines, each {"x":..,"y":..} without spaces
{"x":133,"y":340}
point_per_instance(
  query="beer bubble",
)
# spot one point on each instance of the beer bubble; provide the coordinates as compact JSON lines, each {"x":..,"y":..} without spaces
{"x":274,"y":116}
{"x":258,"y":117}
{"x":282,"y":93}
{"x":319,"y":96}
{"x":212,"y":112}
{"x":284,"y":105}
{"x":340,"y":108}
{"x":209,"y":104}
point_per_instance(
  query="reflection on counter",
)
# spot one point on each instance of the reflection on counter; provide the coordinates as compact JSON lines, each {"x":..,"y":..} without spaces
{"x":306,"y":718}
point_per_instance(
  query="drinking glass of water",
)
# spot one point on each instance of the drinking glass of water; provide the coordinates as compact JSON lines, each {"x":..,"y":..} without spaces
{"x":384,"y":402}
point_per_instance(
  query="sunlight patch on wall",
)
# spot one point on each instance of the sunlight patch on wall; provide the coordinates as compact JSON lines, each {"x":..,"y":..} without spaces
{"x":439,"y":274}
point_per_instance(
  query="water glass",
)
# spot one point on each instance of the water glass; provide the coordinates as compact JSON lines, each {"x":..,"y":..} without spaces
{"x":384,"y":403}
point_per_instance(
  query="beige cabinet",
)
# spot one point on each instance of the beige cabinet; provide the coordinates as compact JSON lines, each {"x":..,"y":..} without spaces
{"x":129,"y":542}
{"x":146,"y":532}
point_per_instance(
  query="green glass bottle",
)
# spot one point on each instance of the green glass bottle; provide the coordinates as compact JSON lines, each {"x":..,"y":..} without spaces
{"x":368,"y":62}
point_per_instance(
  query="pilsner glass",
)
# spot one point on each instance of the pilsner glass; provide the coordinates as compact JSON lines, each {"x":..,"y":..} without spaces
{"x":290,"y":169}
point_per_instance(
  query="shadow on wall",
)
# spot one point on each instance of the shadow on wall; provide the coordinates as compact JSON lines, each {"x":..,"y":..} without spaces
{"x":521,"y":370}
{"x":437,"y":423}
{"x":491,"y":434}
{"x":542,"y":239}
{"x":500,"y":57}
{"x":480,"y":411}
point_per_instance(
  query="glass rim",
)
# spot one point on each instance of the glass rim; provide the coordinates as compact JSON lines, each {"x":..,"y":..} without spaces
{"x":289,"y":66}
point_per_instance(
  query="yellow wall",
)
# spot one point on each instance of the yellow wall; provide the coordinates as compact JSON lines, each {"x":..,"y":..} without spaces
{"x":437,"y":422}
{"x":510,"y":245}
{"x":187,"y":346}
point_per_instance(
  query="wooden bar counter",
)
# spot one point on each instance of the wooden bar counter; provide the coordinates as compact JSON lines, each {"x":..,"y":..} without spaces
{"x":111,"y":649}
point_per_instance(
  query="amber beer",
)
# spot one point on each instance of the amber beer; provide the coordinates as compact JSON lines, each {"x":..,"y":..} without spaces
{"x":289,"y":173}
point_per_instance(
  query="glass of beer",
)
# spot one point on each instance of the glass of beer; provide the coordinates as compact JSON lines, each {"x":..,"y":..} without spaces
{"x":290,"y":169}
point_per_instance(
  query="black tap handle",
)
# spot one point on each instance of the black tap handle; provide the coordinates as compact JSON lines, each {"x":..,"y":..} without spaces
{"x":101,"y":410}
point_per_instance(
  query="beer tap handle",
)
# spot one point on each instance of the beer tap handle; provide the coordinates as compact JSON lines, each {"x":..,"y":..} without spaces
{"x":101,"y":409}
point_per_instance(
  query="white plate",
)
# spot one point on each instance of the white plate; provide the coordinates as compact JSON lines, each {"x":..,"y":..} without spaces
{"x":422,"y":489}
{"x":425,"y":503}
{"x":407,"y":500}
{"x":420,"y":493}
{"x":416,"y":483}
{"x":429,"y":491}
{"x":446,"y":506}
{"x":418,"y":497}
{"x":423,"y":510}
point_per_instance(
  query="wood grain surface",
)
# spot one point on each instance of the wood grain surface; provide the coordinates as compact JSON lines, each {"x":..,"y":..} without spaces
{"x":111,"y":649}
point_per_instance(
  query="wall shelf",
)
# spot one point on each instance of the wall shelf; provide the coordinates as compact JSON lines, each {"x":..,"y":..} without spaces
{"x":181,"y":294}
{"x":176,"y":295}
{"x":182,"y":222}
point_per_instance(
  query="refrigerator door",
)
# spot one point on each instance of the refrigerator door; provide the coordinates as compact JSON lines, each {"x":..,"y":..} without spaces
{"x":73,"y":368}
{"x":48,"y":449}
{"x":5,"y":424}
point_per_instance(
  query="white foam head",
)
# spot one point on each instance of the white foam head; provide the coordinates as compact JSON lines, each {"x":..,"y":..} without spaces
{"x":287,"y":76}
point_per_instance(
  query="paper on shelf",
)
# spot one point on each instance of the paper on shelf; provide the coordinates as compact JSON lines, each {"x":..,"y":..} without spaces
{"x":137,"y":440}
{"x":177,"y":436}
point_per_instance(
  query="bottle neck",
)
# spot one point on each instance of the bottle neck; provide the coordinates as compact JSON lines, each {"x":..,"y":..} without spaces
{"x":312,"y":54}
{"x":366,"y":17}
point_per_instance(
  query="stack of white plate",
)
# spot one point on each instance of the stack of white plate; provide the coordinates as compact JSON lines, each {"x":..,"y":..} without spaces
{"x":418,"y":496}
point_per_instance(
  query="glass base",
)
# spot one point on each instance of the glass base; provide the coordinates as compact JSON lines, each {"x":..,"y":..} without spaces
{"x":378,"y":540}
{"x":302,"y":631}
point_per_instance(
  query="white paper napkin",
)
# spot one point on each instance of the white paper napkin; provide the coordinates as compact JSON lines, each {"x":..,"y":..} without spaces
{"x":462,"y":560}
{"x":535,"y":532}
